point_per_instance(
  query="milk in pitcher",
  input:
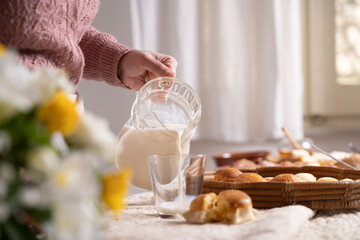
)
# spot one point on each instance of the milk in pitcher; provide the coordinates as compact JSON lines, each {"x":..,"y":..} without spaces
{"x":163,"y":118}
{"x":134,"y":145}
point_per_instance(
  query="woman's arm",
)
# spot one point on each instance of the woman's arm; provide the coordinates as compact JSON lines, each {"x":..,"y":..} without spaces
{"x":102,"y":54}
{"x":119,"y":65}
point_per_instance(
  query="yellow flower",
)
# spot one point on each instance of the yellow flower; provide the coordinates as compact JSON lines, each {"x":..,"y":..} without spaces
{"x":2,"y":50}
{"x":59,"y":114}
{"x":115,"y":190}
{"x":61,"y":179}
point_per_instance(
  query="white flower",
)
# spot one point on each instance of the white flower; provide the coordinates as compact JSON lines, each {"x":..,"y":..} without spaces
{"x":43,"y":159}
{"x":47,"y":81}
{"x":35,"y":196}
{"x":22,"y":89}
{"x":94,"y":133}
{"x":74,"y":188}
{"x":14,"y":88}
{"x":58,"y":142}
{"x":75,"y":220}
{"x":75,"y":177}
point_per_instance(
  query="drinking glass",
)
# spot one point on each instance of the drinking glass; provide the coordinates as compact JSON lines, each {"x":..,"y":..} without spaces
{"x":176,"y":181}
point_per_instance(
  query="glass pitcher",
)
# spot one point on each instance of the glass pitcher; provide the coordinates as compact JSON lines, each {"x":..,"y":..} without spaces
{"x":163,"y":118}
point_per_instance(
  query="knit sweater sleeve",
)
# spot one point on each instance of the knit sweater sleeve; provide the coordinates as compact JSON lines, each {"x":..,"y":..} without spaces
{"x":102,"y":54}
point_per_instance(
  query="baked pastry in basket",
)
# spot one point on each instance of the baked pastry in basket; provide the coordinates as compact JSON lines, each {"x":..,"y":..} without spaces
{"x":249,"y":177}
{"x":286,"y":177}
{"x":268,"y":179}
{"x":306,"y":177}
{"x":346,"y":180}
{"x":353,"y":160}
{"x":227,"y":174}
{"x":244,"y":163}
{"x":327,"y":179}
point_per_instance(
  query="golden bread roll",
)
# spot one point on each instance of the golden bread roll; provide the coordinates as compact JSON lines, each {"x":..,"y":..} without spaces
{"x":202,"y":209}
{"x":203,"y":202}
{"x":327,"y":179}
{"x":227,"y":174}
{"x":249,"y":177}
{"x":346,"y":180}
{"x":306,"y":177}
{"x":266,"y":163}
{"x":235,"y":207}
{"x":286,"y":177}
{"x":268,"y":179}
{"x":353,"y":160}
{"x":244,"y":163}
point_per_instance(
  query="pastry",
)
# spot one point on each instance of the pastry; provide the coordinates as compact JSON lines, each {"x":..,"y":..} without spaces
{"x":306,"y":177}
{"x":249,"y":177}
{"x":327,"y":179}
{"x":268,"y":179}
{"x":203,"y":202}
{"x":346,"y":180}
{"x":202,"y":209}
{"x":227,"y":174}
{"x":353,"y":160}
{"x":266,"y":163}
{"x":244,"y":163}
{"x":235,"y":207}
{"x":286,"y":177}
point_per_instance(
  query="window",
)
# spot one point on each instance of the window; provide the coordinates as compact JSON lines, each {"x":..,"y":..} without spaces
{"x":347,"y":42}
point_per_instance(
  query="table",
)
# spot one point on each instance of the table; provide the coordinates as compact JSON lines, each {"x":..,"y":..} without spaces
{"x":139,"y":221}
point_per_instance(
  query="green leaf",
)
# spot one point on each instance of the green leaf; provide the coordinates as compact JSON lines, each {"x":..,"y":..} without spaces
{"x":13,"y":230}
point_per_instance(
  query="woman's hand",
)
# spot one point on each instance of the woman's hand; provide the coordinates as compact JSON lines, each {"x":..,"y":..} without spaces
{"x":138,"y":67}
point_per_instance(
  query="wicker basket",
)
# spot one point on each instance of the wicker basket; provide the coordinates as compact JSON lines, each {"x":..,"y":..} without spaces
{"x":315,"y":195}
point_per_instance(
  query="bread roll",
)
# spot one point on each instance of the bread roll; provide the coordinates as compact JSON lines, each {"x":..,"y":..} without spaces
{"x":306,"y":177}
{"x":268,"y":179}
{"x":235,"y":207}
{"x":202,"y":209}
{"x":286,"y":177}
{"x":327,"y":179}
{"x":203,"y":202}
{"x":227,"y":174}
{"x":346,"y":180}
{"x":266,"y":163}
{"x":353,"y":160}
{"x":249,"y":177}
{"x":244,"y":163}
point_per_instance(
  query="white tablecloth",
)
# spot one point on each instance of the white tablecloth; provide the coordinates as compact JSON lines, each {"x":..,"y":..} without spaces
{"x":139,"y":221}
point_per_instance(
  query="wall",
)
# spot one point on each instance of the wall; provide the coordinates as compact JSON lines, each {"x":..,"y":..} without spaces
{"x":110,"y":102}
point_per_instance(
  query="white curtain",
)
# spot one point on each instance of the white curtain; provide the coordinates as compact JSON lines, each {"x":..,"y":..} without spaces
{"x":243,"y":57}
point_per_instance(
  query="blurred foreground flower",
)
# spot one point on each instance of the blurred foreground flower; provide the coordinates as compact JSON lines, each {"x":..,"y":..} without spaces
{"x":59,"y":114}
{"x":115,"y":190}
{"x":51,"y":157}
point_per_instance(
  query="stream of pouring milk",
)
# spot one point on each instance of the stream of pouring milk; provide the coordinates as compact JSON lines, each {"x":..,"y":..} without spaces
{"x":181,"y":203}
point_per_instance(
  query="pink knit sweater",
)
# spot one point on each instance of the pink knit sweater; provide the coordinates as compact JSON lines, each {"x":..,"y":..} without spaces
{"x":58,"y":33}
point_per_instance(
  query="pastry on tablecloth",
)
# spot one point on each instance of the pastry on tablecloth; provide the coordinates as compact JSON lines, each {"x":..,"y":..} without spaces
{"x":232,"y":206}
{"x":202,"y":209}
